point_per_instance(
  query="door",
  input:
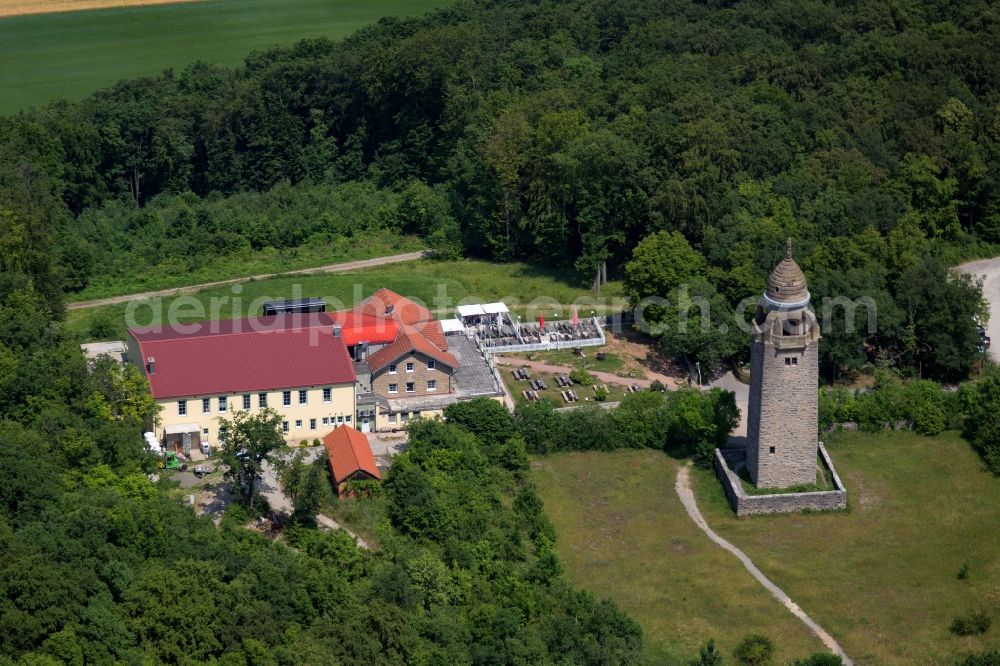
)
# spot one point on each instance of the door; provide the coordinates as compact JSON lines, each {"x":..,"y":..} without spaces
{"x":365,"y":425}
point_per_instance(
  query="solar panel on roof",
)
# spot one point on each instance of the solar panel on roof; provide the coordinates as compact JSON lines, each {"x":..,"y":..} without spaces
{"x":300,"y":305}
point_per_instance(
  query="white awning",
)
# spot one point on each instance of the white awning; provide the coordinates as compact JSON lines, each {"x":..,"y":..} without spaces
{"x":495,"y":308}
{"x":181,"y":428}
{"x":452,"y":326}
{"x":470,"y":310}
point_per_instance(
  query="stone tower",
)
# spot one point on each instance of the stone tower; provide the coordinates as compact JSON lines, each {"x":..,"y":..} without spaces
{"x":784,"y":373}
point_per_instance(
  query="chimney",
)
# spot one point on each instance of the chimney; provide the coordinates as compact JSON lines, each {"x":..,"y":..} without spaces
{"x":151,"y":365}
{"x":336,"y":330}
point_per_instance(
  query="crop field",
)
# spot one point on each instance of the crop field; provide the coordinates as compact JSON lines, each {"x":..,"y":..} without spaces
{"x":440,"y":285}
{"x":49,"y":56}
{"x":882,"y":577}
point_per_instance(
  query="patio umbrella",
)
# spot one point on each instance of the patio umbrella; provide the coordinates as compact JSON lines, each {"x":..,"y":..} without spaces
{"x":576,"y":318}
{"x":541,"y":322}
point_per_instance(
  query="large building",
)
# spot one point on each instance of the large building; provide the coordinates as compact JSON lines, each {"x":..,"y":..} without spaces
{"x":374,"y":367}
{"x":199,"y":373}
{"x":784,"y":371}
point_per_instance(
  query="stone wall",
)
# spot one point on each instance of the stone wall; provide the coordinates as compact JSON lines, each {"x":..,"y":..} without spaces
{"x":421,"y":373}
{"x":746,"y":505}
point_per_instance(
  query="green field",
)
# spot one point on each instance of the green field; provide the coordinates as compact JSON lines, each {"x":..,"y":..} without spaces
{"x":438,"y":284}
{"x":623,"y":534}
{"x":881,"y":577}
{"x":68,"y":55}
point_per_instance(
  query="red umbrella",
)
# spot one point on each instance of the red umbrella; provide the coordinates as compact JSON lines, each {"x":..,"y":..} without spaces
{"x":541,"y":322}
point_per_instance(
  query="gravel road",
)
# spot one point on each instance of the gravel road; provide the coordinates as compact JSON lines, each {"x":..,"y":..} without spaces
{"x":191,"y":289}
{"x":989,"y":271}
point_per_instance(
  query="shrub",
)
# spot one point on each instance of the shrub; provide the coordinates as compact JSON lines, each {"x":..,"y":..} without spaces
{"x":316,"y":442}
{"x":708,"y":655}
{"x":657,"y":385}
{"x":973,"y":624}
{"x":303,"y":444}
{"x":601,"y":394}
{"x":754,"y":650}
{"x":963,"y":571}
{"x":582,"y":377}
{"x":819,"y":659}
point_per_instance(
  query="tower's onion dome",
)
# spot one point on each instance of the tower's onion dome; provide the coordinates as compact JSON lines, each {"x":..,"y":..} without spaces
{"x":786,"y":285}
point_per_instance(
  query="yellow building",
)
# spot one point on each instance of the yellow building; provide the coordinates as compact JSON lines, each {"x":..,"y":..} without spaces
{"x":200,"y":372}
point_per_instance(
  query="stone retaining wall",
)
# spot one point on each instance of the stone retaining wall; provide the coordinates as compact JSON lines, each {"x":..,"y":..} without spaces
{"x":747,"y":505}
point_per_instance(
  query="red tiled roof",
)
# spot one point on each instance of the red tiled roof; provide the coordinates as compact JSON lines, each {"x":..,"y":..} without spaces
{"x":358,"y":327}
{"x":408,"y":340}
{"x":349,"y":452}
{"x":224,"y":363}
{"x":200,"y":329}
{"x":389,"y":304}
{"x":432,"y":331}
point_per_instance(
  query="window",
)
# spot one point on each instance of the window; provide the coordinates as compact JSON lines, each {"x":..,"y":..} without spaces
{"x":262,"y":400}
{"x":348,"y":418}
{"x":204,"y":431}
{"x":222,"y":435}
{"x":393,"y":388}
{"x":312,"y":424}
{"x":392,"y":368}
{"x":771,"y":449}
{"x":223,"y":404}
{"x":392,"y":418}
{"x":206,"y":406}
{"x":303,"y":396}
{"x":246,"y":402}
{"x":791,"y":360}
{"x":404,"y":417}
{"x":298,"y":423}
{"x":430,"y":364}
{"x":326,"y":420}
{"x":327,"y":394}
{"x":409,"y":387}
{"x":286,"y":398}
{"x":409,"y":367}
{"x":182,"y":407}
{"x":432,"y":385}
{"x":284,"y":427}
{"x":340,"y":419}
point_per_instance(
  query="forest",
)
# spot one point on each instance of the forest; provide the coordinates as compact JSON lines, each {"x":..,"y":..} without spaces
{"x":679,"y":141}
{"x":564,"y":133}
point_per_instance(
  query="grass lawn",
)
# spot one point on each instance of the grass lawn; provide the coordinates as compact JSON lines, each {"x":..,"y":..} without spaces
{"x":168,"y":275}
{"x":439,"y":285}
{"x":623,"y":534}
{"x":68,"y":55}
{"x":881,"y":577}
{"x":552,"y":393}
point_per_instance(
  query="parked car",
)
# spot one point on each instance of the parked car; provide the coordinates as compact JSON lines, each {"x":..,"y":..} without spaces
{"x":202,"y":470}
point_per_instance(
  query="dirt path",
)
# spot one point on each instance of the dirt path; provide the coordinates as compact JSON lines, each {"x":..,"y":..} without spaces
{"x":683,"y":487}
{"x":180,"y":291}
{"x":989,"y":270}
{"x":23,"y":7}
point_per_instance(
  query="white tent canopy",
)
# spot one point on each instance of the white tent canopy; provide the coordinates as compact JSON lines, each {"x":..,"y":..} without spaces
{"x":470,"y":310}
{"x":495,"y":308}
{"x":452,"y":326}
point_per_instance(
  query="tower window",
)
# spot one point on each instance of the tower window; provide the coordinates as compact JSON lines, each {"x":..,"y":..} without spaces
{"x":771,"y":450}
{"x":791,"y":360}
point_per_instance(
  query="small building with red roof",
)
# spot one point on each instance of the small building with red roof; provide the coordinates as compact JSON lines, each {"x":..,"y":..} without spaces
{"x":350,"y":457}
